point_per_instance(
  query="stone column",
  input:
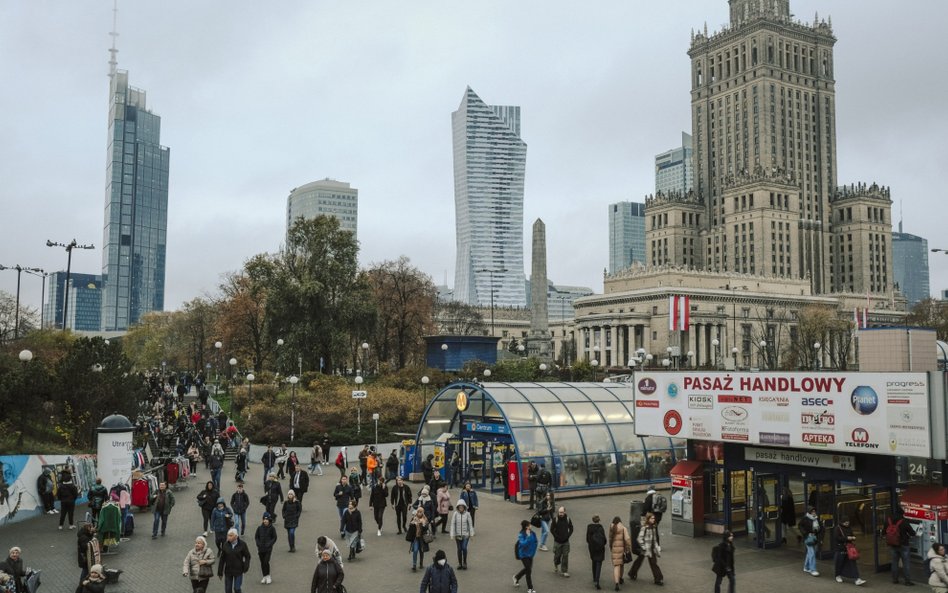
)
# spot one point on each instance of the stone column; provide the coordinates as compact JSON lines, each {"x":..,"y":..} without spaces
{"x":614,"y":350}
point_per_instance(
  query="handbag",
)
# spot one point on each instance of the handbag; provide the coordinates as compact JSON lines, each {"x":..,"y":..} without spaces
{"x":205,"y":571}
{"x":428,"y":537}
{"x":339,"y":588}
{"x":626,"y":557}
{"x":535,"y":520}
{"x":851,"y":552}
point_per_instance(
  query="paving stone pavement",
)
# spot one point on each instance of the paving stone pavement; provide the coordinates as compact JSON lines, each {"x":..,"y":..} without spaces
{"x":385,"y":566}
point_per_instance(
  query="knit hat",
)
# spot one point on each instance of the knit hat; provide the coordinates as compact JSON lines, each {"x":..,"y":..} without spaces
{"x":440,"y":555}
{"x":97,"y":568}
{"x":267,"y":517}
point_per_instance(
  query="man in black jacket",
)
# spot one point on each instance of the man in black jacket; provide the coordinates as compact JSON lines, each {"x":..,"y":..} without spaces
{"x":722,"y":557}
{"x":235,"y":561}
{"x":532,"y":470}
{"x":401,"y":500}
{"x":562,"y":528}
{"x":342,"y":494}
{"x":299,"y":483}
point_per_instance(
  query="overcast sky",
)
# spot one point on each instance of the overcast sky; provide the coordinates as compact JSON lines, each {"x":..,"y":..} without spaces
{"x":257,"y":98}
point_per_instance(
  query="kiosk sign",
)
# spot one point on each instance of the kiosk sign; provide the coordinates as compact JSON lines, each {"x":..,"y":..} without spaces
{"x":880,"y":413}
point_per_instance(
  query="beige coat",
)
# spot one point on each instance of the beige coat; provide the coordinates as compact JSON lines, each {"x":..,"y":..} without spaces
{"x":620,"y":544}
{"x":193,"y":559}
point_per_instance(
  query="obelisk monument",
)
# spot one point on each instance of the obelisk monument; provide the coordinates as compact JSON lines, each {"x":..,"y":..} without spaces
{"x":538,"y":344}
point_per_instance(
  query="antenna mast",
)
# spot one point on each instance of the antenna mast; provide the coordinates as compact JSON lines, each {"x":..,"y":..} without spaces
{"x":113,"y":53}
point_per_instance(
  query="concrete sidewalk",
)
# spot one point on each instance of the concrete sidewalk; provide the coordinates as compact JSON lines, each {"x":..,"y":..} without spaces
{"x":385,"y":566}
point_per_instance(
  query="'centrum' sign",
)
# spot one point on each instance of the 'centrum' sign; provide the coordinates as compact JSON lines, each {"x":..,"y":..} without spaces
{"x":808,"y":458}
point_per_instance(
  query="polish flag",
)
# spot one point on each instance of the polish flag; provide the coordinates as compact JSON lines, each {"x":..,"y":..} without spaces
{"x":679,"y":311}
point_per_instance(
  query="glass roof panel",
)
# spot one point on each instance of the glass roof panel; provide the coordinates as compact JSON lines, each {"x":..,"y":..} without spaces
{"x":585,"y":413}
{"x":565,"y":440}
{"x":491,"y":410}
{"x":653,"y":443}
{"x":597,"y":392}
{"x":505,"y":394}
{"x":521,"y":415}
{"x":553,"y":413}
{"x":614,"y":412}
{"x":532,"y":442}
{"x":568,"y":394}
{"x":597,"y":439}
{"x":538,"y":394}
{"x":625,"y":437}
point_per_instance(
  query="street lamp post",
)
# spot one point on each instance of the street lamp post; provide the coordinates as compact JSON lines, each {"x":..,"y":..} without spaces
{"x":444,"y":358}
{"x":25,"y":357}
{"x":375,"y":417}
{"x":424,"y":397}
{"x":717,"y":352}
{"x":491,"y":272}
{"x":365,"y":358}
{"x":19,"y":271}
{"x":280,"y":343}
{"x":734,"y":356}
{"x":233,"y":367}
{"x":816,"y":356}
{"x":594,"y":364}
{"x":671,"y":356}
{"x":217,"y":365}
{"x":763,"y":347}
{"x":520,"y":349}
{"x":69,"y":247}
{"x":358,"y":382}
{"x":250,"y":378}
{"x":293,"y":381}
{"x":41,"y":274}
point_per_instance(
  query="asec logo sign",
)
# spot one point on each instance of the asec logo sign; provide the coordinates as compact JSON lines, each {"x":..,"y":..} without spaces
{"x":816,"y":401}
{"x":864,"y":400}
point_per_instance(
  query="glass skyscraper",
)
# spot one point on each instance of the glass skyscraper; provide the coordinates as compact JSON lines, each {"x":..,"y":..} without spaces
{"x":489,"y":164}
{"x":674,"y":171}
{"x":626,"y":235}
{"x":910,"y":266}
{"x":136,"y":209}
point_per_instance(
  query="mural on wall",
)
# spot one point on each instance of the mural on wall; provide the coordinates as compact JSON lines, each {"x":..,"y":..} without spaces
{"x":19,"y":474}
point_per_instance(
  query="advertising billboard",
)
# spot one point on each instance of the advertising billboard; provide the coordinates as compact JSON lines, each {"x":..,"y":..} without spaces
{"x":880,"y":413}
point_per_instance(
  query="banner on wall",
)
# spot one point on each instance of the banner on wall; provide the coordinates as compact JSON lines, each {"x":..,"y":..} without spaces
{"x":877,"y":413}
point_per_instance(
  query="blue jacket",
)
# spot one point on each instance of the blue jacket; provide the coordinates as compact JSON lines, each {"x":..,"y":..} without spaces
{"x":219,"y":517}
{"x":469,"y":498}
{"x":527,"y":544}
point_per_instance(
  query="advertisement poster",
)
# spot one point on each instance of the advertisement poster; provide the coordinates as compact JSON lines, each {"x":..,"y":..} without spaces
{"x":880,"y":413}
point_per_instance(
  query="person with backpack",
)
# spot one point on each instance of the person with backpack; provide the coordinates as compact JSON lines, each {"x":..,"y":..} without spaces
{"x":937,"y":565}
{"x":439,"y":576}
{"x":846,"y":553}
{"x":898,"y":536}
{"x":812,"y":530}
{"x":544,"y":480}
{"x":722,"y":559}
{"x":562,"y":529}
{"x":655,"y":503}
{"x":596,"y":542}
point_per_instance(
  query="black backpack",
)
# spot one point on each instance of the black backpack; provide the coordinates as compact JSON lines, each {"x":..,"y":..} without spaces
{"x":659,"y":503}
{"x":598,"y":538}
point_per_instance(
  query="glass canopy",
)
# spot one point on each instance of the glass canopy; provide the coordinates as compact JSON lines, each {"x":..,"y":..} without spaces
{"x":582,"y":432}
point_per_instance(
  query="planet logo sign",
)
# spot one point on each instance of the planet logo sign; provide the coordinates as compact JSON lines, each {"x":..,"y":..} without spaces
{"x":672,"y":390}
{"x":647,"y":386}
{"x":864,"y":400}
{"x":672,"y":422}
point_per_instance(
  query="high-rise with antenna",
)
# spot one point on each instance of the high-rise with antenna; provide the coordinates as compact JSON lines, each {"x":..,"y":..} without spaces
{"x":136,"y":203}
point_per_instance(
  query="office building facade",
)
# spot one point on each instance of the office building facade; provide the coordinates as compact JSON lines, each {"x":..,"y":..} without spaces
{"x":626,"y":235}
{"x":489,"y":166}
{"x":674,"y":169}
{"x":136,"y":209}
{"x":327,"y":197}
{"x":910,"y":266}
{"x":85,"y":302}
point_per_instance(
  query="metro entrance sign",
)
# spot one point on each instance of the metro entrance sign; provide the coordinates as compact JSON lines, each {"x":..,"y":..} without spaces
{"x":880,"y":413}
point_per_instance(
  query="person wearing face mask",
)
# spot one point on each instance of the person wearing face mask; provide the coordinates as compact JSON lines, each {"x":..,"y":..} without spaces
{"x":439,"y":577}
{"x":462,"y":530}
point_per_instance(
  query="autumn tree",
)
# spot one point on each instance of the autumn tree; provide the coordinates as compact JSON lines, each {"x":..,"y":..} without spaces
{"x":243,"y":324}
{"x":834,"y":334}
{"x":28,"y":318}
{"x":404,"y":299}
{"x":316,"y":297}
{"x":153,"y":340}
{"x":455,"y":318}
{"x":930,"y":313}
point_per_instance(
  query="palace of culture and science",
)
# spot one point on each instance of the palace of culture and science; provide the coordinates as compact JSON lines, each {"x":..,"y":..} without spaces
{"x":767,"y":231}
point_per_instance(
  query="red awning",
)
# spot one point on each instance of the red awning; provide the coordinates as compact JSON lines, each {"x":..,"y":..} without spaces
{"x":932,"y":496}
{"x":688,"y":468}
